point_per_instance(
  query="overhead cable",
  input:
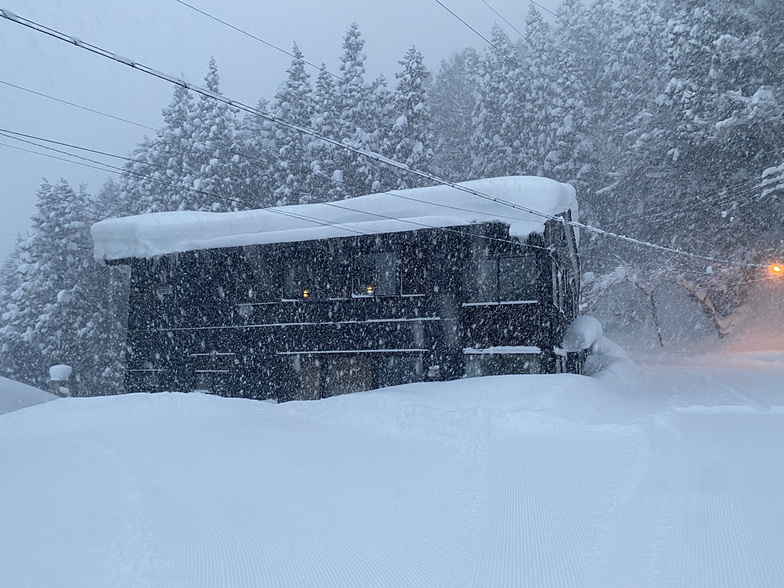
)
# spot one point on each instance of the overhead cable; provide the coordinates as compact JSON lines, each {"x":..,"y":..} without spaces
{"x":501,"y":16}
{"x":549,"y":11}
{"x":254,"y":37}
{"x":112,"y":169}
{"x":366,"y":153}
{"x":125,"y":120}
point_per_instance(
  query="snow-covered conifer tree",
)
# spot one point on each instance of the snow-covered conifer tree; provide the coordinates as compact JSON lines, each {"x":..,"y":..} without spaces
{"x":354,"y":125}
{"x":495,"y":131}
{"x":324,"y":183}
{"x":253,"y":155}
{"x":155,"y":180}
{"x":57,"y":312}
{"x":570,"y":152}
{"x":293,"y":103}
{"x":215,"y":179}
{"x":452,"y":103}
{"x":537,"y":95}
{"x":411,"y":137}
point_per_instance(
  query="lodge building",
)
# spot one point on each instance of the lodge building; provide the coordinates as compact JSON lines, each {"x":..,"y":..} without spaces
{"x":310,"y":301}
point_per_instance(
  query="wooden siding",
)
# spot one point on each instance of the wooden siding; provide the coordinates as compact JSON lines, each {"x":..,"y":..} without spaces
{"x":318,"y":318}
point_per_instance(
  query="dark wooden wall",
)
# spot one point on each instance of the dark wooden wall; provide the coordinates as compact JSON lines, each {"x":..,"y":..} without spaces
{"x":238,"y":321}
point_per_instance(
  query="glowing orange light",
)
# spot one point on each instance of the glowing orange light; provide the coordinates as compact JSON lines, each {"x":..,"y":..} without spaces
{"x":306,"y":293}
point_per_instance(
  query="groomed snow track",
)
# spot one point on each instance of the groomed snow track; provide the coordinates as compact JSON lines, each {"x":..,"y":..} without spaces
{"x":558,"y":481}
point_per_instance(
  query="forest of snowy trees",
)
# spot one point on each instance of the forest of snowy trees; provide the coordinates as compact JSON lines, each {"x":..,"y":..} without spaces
{"x":667,"y":117}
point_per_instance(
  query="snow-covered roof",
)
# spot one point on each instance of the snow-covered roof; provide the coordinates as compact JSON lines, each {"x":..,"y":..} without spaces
{"x":162,"y":233}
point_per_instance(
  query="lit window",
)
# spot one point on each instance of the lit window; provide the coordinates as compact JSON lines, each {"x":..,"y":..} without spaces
{"x":376,"y":275}
{"x":303,"y":281}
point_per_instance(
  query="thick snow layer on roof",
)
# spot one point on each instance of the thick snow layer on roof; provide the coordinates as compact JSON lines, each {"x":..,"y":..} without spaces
{"x":402,"y":210}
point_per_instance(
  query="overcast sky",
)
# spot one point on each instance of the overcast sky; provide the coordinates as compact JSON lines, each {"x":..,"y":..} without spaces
{"x":175,"y":39}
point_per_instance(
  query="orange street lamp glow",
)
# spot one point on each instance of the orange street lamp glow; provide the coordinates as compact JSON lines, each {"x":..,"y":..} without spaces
{"x":776,"y":269}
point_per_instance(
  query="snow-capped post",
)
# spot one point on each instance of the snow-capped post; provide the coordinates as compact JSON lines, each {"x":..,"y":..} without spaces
{"x":58,"y":380}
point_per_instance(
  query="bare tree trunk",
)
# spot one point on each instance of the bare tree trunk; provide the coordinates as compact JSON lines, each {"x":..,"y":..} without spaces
{"x":654,"y":313}
{"x":723,"y":324}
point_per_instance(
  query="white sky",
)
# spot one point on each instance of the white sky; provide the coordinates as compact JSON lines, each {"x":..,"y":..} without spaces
{"x":172,"y":38}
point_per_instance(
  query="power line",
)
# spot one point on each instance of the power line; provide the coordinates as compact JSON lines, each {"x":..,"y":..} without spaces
{"x":658,"y":210}
{"x":56,"y":150}
{"x":18,"y":148}
{"x":550,"y":11}
{"x":30,"y":139}
{"x":7,"y":132}
{"x":366,"y":153}
{"x":486,"y":40}
{"x":501,"y":16}
{"x":254,"y":37}
{"x":657,"y":213}
{"x":124,"y":171}
{"x":47,"y":96}
{"x":398,"y":194}
{"x":108,"y":168}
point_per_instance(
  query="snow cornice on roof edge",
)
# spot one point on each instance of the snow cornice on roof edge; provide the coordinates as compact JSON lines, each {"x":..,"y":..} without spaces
{"x":162,"y":233}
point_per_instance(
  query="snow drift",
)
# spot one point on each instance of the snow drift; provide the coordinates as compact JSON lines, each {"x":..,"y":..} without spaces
{"x":506,"y":481}
{"x":15,"y":395}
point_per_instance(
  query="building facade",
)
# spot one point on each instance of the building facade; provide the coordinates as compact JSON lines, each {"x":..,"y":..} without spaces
{"x":306,"y":318}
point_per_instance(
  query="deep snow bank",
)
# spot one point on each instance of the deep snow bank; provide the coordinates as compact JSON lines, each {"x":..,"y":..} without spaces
{"x":505,"y":481}
{"x":15,"y":395}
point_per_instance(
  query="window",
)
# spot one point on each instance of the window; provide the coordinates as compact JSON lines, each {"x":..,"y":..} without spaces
{"x":505,"y":279}
{"x":303,"y":281}
{"x":375,"y":275}
{"x":518,"y":278}
{"x":257,"y":281}
{"x":482,"y":280}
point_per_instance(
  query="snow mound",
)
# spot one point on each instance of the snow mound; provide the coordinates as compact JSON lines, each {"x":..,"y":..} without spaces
{"x":582,"y":333}
{"x":444,"y":485}
{"x":162,"y":233}
{"x":15,"y":395}
{"x":608,"y":360}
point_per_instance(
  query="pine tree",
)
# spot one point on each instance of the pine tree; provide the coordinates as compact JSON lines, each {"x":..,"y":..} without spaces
{"x":254,"y":159}
{"x":496,"y":134}
{"x":570,"y":152}
{"x":411,"y":137}
{"x":215,"y":179}
{"x":537,"y":95}
{"x":55,"y":315}
{"x":452,"y":102}
{"x":293,"y":103}
{"x":354,"y":100}
{"x":324,"y":183}
{"x":156,"y":180}
{"x":18,"y":354}
{"x":718,"y":121}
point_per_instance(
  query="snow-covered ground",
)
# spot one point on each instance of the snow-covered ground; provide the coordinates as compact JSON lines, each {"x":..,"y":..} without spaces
{"x":14,"y":395}
{"x":673,"y":477}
